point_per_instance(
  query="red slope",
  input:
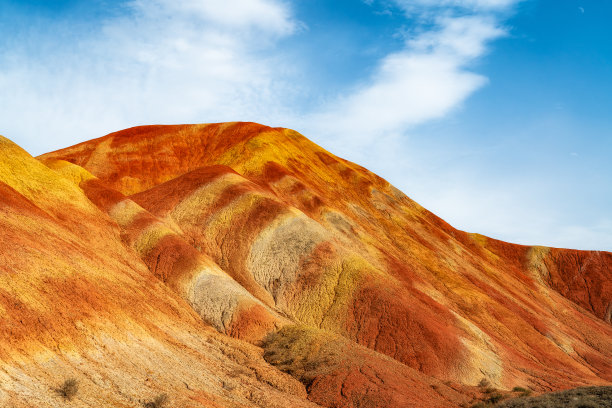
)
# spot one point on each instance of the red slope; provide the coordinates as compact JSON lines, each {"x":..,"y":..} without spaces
{"x":329,"y":244}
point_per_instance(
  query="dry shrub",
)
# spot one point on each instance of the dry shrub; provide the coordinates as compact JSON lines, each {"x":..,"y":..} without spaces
{"x":68,"y":389}
{"x":484,"y":383}
{"x":158,"y":402}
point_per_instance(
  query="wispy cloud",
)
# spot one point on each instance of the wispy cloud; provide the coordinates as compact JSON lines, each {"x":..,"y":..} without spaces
{"x":427,"y":79}
{"x":160,"y":61}
{"x":269,"y":16}
{"x":477,"y":5}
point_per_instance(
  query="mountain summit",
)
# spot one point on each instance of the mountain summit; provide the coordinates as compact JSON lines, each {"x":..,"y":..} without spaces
{"x":238,"y":265}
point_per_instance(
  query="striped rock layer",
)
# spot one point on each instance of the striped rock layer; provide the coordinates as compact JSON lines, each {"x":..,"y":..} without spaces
{"x":240,"y":265}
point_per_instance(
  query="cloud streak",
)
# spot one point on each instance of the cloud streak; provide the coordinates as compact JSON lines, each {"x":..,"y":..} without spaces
{"x":426,"y":80}
{"x":162,"y":61}
{"x":474,"y":5}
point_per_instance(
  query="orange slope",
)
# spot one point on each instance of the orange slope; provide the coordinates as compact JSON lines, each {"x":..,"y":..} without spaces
{"x":75,"y":302}
{"x":328,"y":244}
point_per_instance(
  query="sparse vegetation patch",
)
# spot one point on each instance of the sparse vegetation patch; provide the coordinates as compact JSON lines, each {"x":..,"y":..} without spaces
{"x":158,"y":402}
{"x":583,"y":397}
{"x":68,"y":389}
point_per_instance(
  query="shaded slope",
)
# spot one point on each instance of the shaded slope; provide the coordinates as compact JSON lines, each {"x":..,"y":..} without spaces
{"x":338,"y":372}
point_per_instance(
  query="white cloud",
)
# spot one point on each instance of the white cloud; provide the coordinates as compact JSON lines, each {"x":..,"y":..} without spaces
{"x":193,"y":60}
{"x":517,"y":212}
{"x":409,"y":89}
{"x":481,"y":5}
{"x":163,"y":62}
{"x":424,"y":81}
{"x":461,"y":37}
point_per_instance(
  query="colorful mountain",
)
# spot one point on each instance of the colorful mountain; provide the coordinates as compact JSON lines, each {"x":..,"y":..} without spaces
{"x":241,"y":265}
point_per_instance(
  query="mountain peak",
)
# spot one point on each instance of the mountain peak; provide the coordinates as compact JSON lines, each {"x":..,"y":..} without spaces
{"x":245,"y":241}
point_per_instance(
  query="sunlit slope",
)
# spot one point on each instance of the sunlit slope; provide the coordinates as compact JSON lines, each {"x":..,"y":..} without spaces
{"x":211,"y":292}
{"x":75,"y":302}
{"x":329,"y":245}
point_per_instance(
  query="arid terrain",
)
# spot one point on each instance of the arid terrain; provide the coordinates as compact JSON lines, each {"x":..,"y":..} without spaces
{"x":238,"y":265}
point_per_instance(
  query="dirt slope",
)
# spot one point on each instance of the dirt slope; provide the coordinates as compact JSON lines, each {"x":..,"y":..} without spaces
{"x":355,"y":290}
{"x":75,"y":302}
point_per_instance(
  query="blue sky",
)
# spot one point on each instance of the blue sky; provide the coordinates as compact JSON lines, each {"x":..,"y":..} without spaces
{"x":494,"y":114}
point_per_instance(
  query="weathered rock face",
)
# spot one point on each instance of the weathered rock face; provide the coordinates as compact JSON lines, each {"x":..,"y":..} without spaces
{"x":172,"y":240}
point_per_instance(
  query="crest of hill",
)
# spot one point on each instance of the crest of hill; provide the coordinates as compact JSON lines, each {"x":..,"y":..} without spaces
{"x":136,"y":159}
